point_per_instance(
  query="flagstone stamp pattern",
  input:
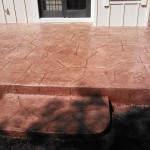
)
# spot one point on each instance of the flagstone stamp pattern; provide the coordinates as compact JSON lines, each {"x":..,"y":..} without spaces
{"x":74,"y":55}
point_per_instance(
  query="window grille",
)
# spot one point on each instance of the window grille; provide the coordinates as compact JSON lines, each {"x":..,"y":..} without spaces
{"x":53,"y":5}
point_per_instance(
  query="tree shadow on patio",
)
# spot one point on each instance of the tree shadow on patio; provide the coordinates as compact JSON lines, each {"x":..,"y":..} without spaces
{"x":85,"y":118}
{"x":129,"y":130}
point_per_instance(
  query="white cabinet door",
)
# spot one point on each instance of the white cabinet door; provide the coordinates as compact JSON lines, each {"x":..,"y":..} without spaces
{"x":9,"y":11}
{"x":20,"y":11}
{"x":123,"y":12}
{"x":2,"y":15}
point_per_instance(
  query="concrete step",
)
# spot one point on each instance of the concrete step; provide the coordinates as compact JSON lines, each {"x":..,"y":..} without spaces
{"x":138,"y":96}
{"x":38,"y":116}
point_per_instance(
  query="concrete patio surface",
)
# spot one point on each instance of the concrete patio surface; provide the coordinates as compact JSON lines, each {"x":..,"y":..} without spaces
{"x":76,"y":59}
{"x":53,"y":77}
{"x":59,"y":117}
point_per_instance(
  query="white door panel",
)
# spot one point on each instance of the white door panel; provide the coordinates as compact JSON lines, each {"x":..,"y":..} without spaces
{"x":131,"y":15}
{"x":116,"y":15}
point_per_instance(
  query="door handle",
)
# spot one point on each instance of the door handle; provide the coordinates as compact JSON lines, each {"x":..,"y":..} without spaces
{"x":7,"y":11}
{"x":144,"y":3}
{"x":106,"y":3}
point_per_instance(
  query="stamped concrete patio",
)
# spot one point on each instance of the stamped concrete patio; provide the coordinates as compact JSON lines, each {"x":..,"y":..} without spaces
{"x":69,"y":58}
{"x":53,"y":77}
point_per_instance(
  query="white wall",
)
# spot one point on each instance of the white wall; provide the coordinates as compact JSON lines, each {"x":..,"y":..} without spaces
{"x":103,"y":13}
{"x":9,"y":11}
{"x":2,"y":15}
{"x":19,"y":11}
{"x":26,"y":11}
{"x":32,"y":11}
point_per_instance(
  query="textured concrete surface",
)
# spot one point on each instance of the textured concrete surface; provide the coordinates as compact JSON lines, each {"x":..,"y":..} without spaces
{"x":53,"y":116}
{"x":129,"y":130}
{"x":38,"y":57}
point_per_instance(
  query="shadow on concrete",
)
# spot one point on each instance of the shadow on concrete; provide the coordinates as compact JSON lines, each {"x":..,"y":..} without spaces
{"x":71,"y":124}
{"x":64,"y":121}
{"x":129,"y":130}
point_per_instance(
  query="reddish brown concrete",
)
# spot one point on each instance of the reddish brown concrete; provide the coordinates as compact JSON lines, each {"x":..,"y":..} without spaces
{"x":72,"y":59}
{"x":25,"y":115}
